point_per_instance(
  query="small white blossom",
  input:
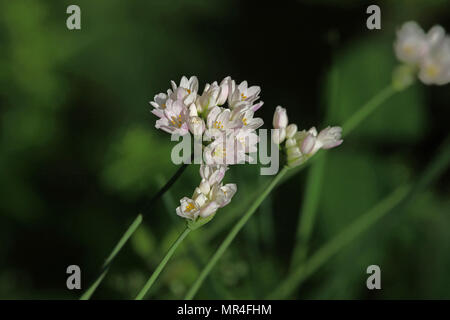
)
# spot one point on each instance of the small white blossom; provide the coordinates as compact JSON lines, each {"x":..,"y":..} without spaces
{"x":173,"y":118}
{"x":186,"y":91}
{"x":301,"y":145}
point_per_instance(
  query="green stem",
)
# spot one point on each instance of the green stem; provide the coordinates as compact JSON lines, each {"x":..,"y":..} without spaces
{"x":162,"y":264}
{"x":335,"y":245}
{"x":403,"y":194}
{"x":105,"y":267}
{"x":232,"y":234}
{"x":367,"y":109}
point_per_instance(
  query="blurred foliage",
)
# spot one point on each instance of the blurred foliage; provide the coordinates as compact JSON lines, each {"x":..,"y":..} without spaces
{"x":79,"y":155}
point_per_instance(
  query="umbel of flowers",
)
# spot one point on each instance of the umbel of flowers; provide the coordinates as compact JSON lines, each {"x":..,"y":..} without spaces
{"x":427,"y":54}
{"x":223,"y":116}
{"x":301,"y":145}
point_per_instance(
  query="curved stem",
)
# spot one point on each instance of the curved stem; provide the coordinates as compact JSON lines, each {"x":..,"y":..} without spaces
{"x":232,"y":234}
{"x":162,"y":264}
{"x":128,"y":233}
{"x":308,"y":210}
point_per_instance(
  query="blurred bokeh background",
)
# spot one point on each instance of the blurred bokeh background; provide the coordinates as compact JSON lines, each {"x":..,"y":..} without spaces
{"x":79,"y":154}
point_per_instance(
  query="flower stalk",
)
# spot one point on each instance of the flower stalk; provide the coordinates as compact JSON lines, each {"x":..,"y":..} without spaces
{"x":162,"y":264}
{"x":128,"y":233}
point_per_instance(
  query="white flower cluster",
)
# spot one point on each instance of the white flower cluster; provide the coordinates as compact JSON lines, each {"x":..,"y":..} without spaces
{"x":209,"y":196}
{"x":229,"y":132}
{"x":301,"y":145}
{"x":428,"y":52}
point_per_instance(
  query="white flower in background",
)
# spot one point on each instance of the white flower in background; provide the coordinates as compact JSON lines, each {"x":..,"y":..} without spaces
{"x":429,"y":53}
{"x":411,"y":44}
{"x":209,"y":197}
{"x":435,"y":67}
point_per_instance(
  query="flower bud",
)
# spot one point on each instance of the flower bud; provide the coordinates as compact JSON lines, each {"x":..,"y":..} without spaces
{"x":291,"y":130}
{"x":278,"y":135}
{"x":290,"y":143}
{"x":224,"y":89}
{"x":280,"y":118}
{"x":402,"y":77}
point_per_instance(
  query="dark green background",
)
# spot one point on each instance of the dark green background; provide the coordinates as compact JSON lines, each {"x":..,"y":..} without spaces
{"x":79,"y":154}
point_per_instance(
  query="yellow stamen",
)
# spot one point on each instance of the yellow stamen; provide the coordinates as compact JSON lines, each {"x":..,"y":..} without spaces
{"x":189,"y":207}
{"x":243,"y":96}
{"x":432,"y":71}
{"x":176,"y":121}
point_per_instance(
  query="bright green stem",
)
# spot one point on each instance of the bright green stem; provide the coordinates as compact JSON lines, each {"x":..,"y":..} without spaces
{"x":367,"y":109}
{"x":335,"y":245}
{"x":309,"y":209}
{"x":162,"y":264}
{"x":232,"y":234}
{"x":105,"y":267}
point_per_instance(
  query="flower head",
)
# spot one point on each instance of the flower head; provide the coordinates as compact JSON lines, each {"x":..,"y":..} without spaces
{"x":411,"y":44}
{"x":435,"y":67}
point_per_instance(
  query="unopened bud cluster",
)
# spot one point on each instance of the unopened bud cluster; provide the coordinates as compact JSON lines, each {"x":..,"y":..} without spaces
{"x":301,"y":145}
